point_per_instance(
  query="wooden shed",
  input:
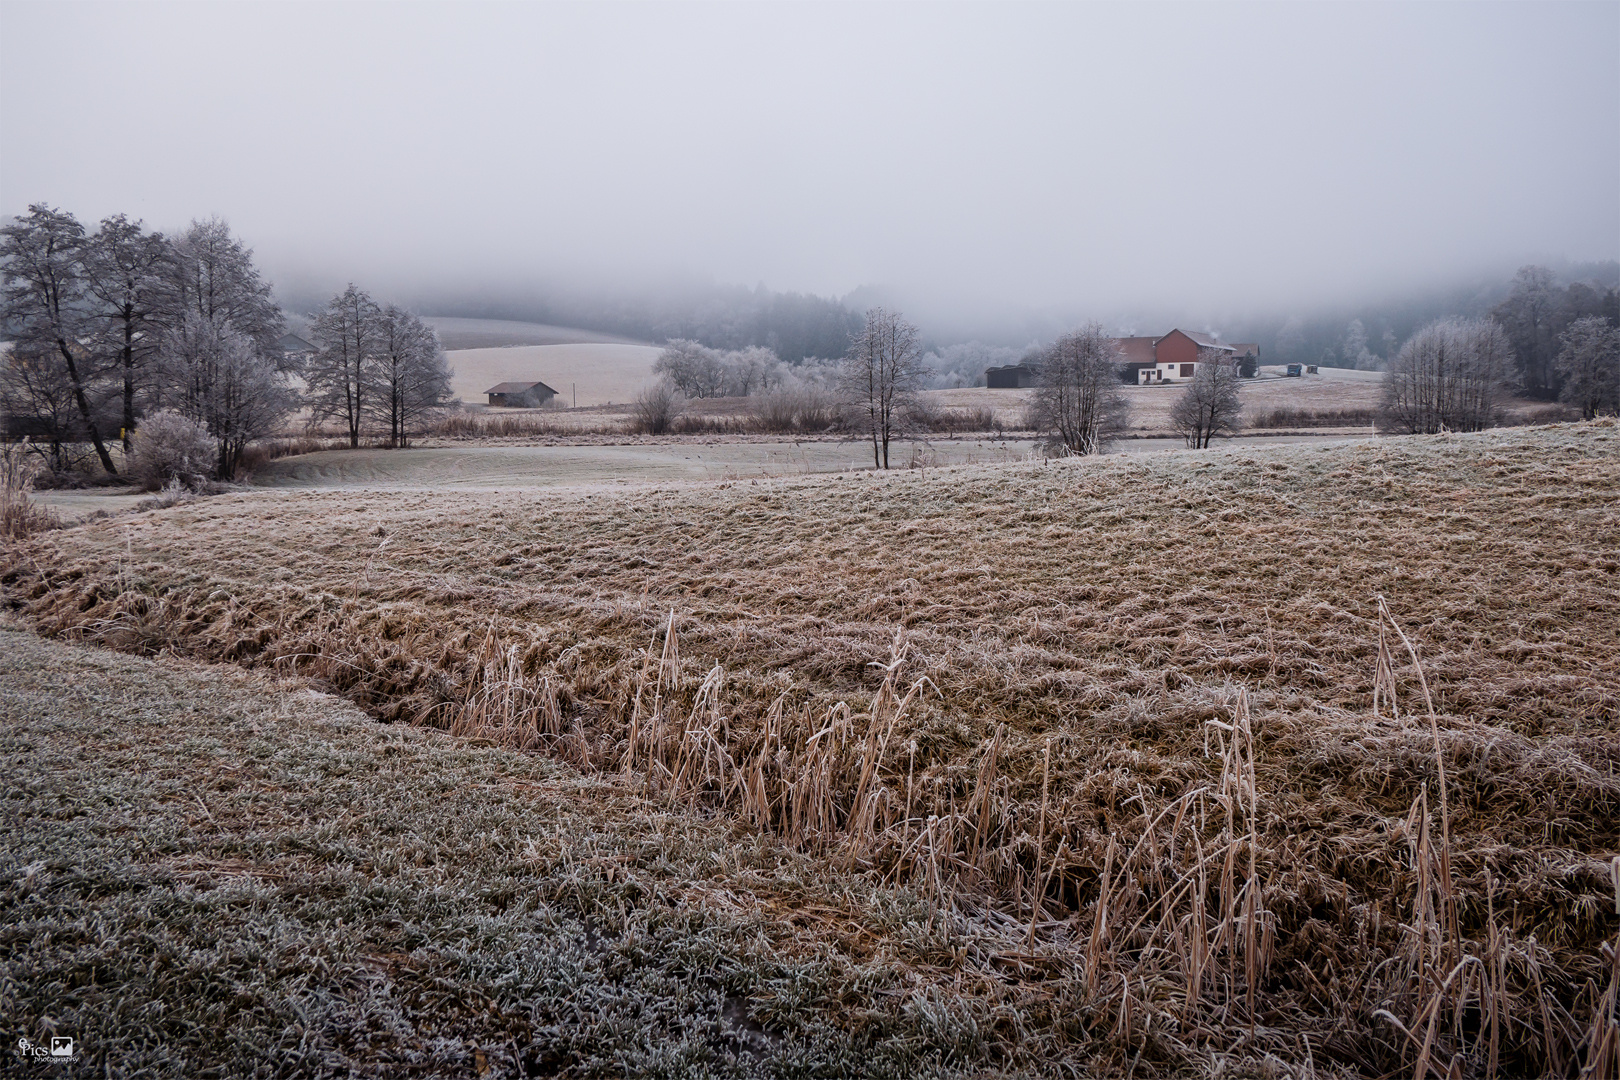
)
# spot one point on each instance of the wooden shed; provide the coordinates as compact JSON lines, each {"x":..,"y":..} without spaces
{"x":520,"y":395}
{"x":1011,"y":377}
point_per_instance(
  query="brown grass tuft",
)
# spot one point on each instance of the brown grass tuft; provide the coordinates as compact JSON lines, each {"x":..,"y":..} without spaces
{"x":20,"y":517}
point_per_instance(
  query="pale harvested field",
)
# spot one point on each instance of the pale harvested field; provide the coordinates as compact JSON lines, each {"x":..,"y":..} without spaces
{"x":1334,"y":389}
{"x":602,"y":373}
{"x":1124,"y":748}
{"x":456,"y":333}
{"x":662,"y":460}
{"x":1150,"y":405}
{"x":576,"y":462}
{"x":595,"y":461}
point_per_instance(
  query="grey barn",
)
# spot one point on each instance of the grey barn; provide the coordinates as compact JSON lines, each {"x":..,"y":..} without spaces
{"x":1012,"y":377}
{"x":520,"y":395}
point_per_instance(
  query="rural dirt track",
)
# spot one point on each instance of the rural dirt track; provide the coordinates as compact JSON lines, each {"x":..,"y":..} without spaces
{"x":1093,"y":644}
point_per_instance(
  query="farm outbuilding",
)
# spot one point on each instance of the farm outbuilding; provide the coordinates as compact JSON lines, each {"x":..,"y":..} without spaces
{"x":293,"y":345}
{"x":520,"y":395}
{"x":1175,"y":356}
{"x":1011,"y":377}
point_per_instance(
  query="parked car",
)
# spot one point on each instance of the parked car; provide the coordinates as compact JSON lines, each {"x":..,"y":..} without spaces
{"x":1295,"y":370}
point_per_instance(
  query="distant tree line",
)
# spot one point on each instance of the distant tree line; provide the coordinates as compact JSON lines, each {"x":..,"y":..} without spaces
{"x":108,"y":326}
{"x":701,"y":372}
{"x":1535,"y":310}
{"x":795,"y":326}
{"x":1452,"y":374}
{"x":1537,"y":314}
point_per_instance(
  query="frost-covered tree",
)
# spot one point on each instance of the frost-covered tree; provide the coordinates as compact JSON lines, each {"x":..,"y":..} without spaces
{"x":1291,"y":340}
{"x":218,"y":357}
{"x":1353,"y":349}
{"x":1079,"y":402}
{"x":881,"y":375}
{"x":124,"y":280}
{"x":221,"y":377}
{"x":412,"y":375}
{"x":344,"y":374}
{"x":44,"y":299}
{"x":693,"y":369}
{"x":212,"y":276}
{"x":38,"y":400}
{"x":1589,"y":363}
{"x":749,"y":371}
{"x":698,"y":371}
{"x":1528,"y":316}
{"x":1211,"y":404}
{"x":1447,"y":377}
{"x":964,"y":364}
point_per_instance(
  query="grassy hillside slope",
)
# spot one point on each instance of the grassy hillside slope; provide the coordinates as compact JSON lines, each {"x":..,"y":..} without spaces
{"x":205,"y":873}
{"x":1126,"y":724}
{"x":459,"y":333}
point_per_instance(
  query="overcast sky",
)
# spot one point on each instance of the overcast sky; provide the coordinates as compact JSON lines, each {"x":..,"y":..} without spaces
{"x":1077,"y":156}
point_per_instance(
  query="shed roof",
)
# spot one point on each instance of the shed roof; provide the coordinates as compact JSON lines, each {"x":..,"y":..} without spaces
{"x":1137,"y":350}
{"x":518,"y":387}
{"x":1205,"y":340}
{"x":293,"y":343}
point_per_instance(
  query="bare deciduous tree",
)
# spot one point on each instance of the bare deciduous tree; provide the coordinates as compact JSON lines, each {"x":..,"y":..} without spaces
{"x":44,"y":299}
{"x":1447,"y":377}
{"x":124,"y":277}
{"x":1590,"y":365}
{"x":1078,"y":400}
{"x":343,"y":375}
{"x":881,"y":374}
{"x":37,"y":397}
{"x":1528,"y":317}
{"x":1210,"y":405}
{"x":212,"y":275}
{"x":413,"y":378}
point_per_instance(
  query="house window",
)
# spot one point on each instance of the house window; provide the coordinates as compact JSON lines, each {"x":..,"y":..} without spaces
{"x":1186,"y":371}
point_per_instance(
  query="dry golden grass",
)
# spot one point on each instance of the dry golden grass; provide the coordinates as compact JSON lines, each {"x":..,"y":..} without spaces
{"x":1151,"y":726}
{"x":20,"y":515}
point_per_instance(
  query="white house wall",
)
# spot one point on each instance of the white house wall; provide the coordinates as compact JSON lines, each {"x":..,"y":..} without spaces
{"x":1162,"y":373}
